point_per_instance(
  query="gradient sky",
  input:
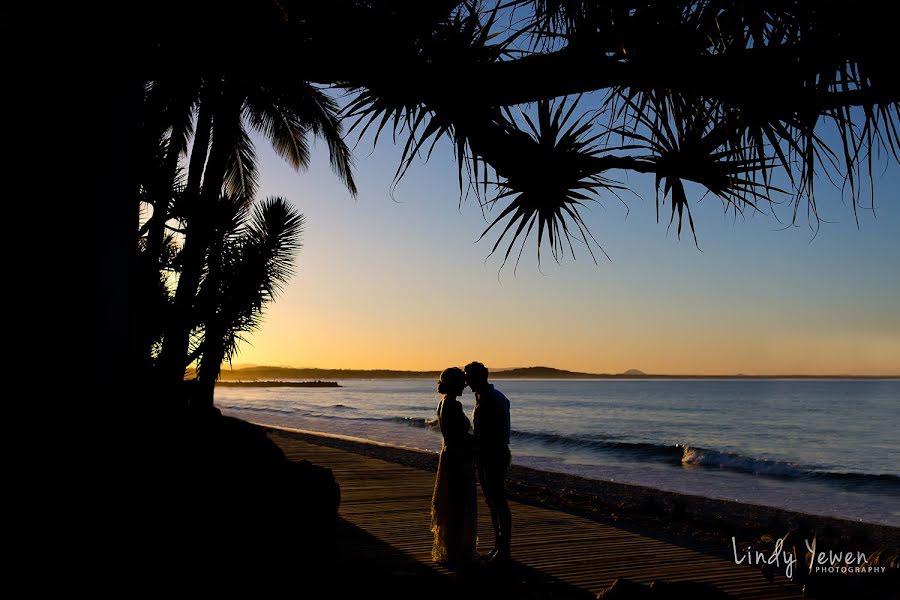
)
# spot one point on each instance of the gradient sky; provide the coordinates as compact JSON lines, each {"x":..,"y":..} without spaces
{"x":398,"y":282}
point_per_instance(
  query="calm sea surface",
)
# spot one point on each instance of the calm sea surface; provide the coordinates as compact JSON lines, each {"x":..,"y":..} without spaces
{"x":829,"y":447}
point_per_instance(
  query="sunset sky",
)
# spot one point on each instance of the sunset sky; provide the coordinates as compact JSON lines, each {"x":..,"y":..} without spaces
{"x":399,"y":283}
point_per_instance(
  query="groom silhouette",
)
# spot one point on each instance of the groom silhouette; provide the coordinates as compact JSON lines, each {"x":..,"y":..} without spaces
{"x":491,"y":421}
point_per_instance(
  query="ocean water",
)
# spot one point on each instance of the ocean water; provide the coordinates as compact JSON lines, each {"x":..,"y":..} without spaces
{"x":827,"y":447}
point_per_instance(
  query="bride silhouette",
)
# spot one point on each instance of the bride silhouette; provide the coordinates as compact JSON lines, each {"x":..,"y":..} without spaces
{"x":453,"y":505}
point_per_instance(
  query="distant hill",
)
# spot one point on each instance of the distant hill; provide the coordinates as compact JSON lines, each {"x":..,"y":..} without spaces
{"x":261,"y":373}
{"x":257,"y":373}
{"x":264,"y":383}
{"x":270,"y":373}
{"x":541,"y":373}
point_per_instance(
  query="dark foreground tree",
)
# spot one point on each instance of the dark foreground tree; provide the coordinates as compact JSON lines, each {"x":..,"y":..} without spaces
{"x":209,"y":109}
{"x":251,"y":258}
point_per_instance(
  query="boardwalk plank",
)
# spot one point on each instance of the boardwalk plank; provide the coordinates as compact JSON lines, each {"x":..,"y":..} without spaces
{"x":391,"y":502}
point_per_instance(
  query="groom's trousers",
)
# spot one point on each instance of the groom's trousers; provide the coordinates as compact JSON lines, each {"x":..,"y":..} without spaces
{"x":493,"y":465}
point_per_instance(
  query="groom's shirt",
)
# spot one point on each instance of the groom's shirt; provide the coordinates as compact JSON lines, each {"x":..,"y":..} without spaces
{"x":491,"y":417}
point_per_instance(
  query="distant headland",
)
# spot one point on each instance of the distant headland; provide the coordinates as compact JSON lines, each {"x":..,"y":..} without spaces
{"x":263,"y":383}
{"x":259,"y":375}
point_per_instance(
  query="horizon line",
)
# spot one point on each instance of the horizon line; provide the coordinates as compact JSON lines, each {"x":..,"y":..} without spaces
{"x":599,"y":375}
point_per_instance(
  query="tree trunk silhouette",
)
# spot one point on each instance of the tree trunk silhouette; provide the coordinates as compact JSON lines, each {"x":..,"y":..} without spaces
{"x":213,"y":348}
{"x":157,"y":226}
{"x":198,"y":236}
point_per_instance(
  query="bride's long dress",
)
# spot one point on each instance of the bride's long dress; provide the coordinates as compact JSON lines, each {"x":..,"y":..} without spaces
{"x":453,"y":505}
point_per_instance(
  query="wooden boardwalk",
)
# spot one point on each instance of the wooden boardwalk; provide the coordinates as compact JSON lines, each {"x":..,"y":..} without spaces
{"x":391,"y":503}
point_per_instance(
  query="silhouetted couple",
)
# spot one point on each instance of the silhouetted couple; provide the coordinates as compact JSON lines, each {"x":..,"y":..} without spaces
{"x":453,"y":505}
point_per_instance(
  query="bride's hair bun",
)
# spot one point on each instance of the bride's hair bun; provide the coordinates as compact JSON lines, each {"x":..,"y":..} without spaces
{"x":452,"y":380}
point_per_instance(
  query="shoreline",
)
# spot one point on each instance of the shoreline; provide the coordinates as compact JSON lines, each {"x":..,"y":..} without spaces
{"x":649,"y":510}
{"x":260,"y":383}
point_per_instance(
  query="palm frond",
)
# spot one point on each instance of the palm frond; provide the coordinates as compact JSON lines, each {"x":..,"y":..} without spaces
{"x":273,"y":236}
{"x":322,"y":112}
{"x":552,"y":185}
{"x":169,"y":108}
{"x":254,"y":255}
{"x":259,"y":263}
{"x":287,"y":112}
{"x":241,"y":174}
{"x":467,"y":38}
{"x":370,"y":108}
{"x":691,"y":139}
{"x":280,"y":125}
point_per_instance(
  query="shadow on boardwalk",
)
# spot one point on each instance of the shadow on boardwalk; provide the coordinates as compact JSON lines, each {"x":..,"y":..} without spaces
{"x":385,"y":540}
{"x":372,"y":566}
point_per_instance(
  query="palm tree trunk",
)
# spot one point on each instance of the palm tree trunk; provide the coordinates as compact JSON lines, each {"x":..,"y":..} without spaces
{"x":157,"y":226}
{"x":210,"y":366}
{"x":198,"y":236}
{"x":213,"y":347}
{"x":200,"y":149}
{"x":152,"y":263}
{"x":177,"y":334}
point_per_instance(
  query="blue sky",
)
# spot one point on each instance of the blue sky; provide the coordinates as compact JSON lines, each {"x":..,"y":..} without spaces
{"x":396,"y":280}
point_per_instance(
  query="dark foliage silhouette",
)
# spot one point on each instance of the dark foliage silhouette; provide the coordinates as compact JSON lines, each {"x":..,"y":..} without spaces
{"x":209,"y":202}
{"x":737,"y":99}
